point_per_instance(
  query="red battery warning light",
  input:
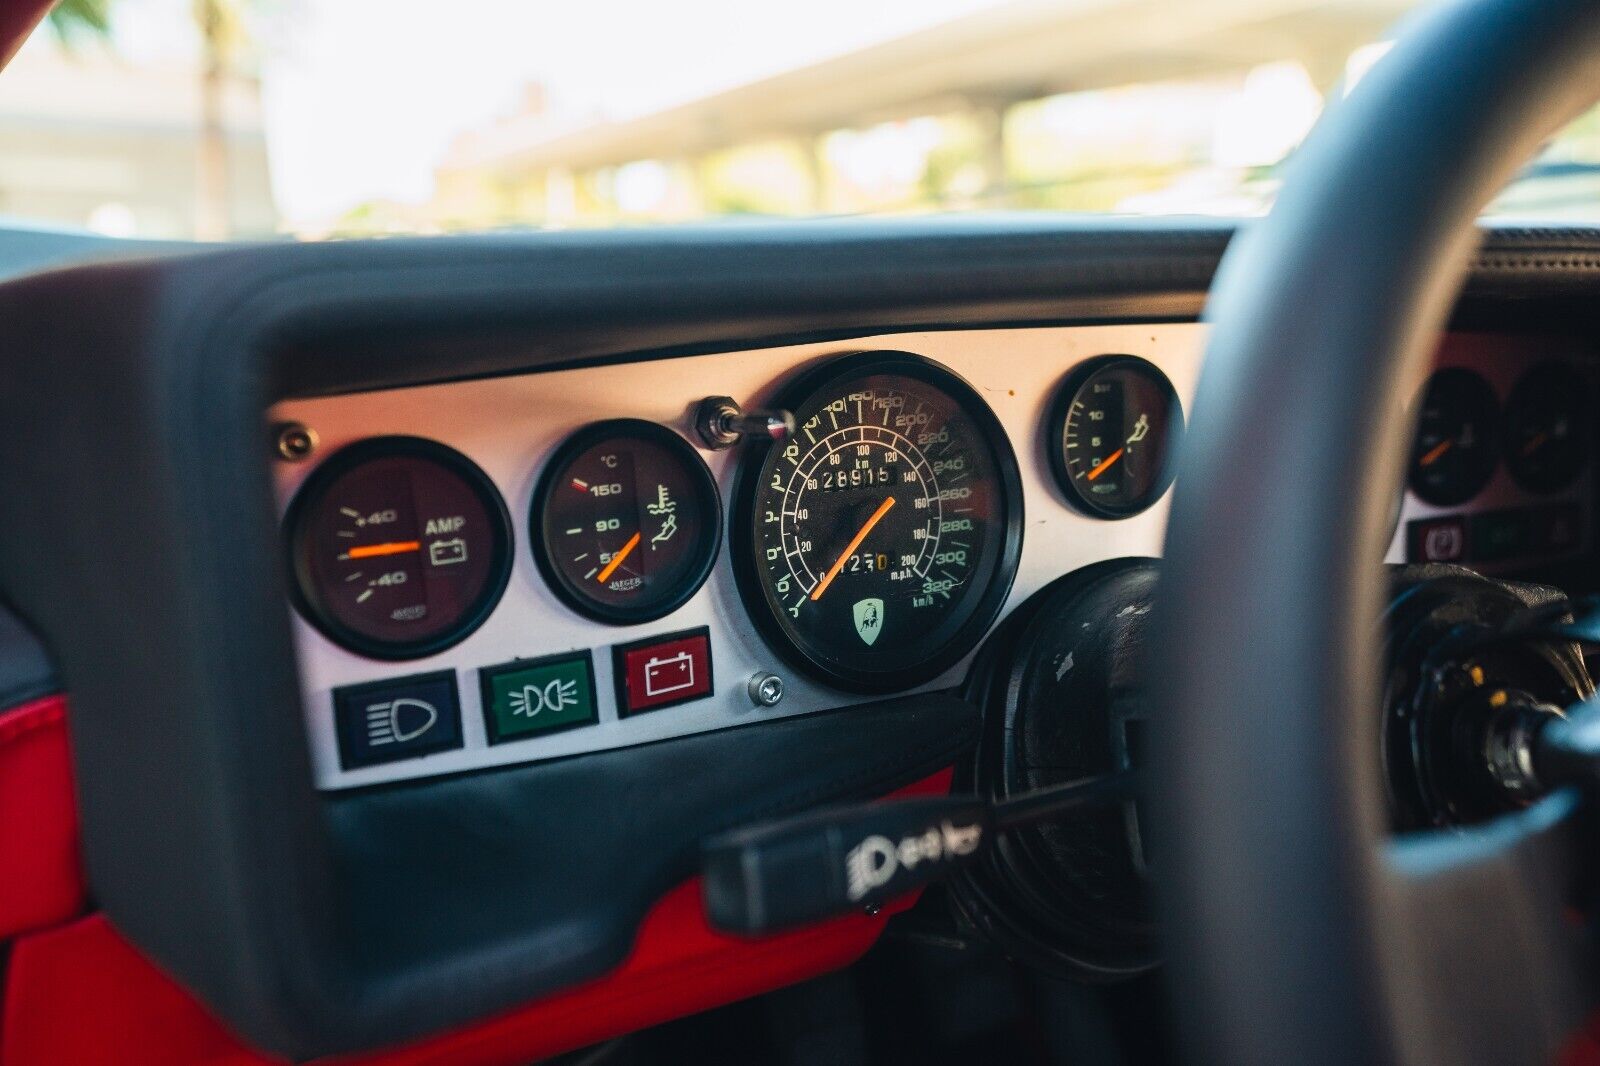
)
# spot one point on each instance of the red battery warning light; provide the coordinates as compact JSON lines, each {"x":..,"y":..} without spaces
{"x":663,"y":672}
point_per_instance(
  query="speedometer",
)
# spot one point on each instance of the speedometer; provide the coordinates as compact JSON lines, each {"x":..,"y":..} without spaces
{"x":877,"y":544}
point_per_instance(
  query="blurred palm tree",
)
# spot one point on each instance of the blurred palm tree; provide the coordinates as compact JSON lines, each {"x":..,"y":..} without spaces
{"x":221,"y":35}
{"x":221,"y":28}
{"x":71,"y":19}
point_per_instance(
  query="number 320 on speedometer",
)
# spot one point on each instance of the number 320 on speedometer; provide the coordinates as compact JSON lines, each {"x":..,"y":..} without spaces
{"x":877,"y":544}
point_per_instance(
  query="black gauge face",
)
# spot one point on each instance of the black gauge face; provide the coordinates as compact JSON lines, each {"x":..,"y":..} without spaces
{"x":877,"y":544}
{"x":1113,"y":432}
{"x":1455,"y":451}
{"x":1547,"y":428}
{"x":400,"y":547}
{"x":626,"y":521}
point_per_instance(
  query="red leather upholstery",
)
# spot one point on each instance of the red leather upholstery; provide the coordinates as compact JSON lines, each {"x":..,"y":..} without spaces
{"x":79,"y":993}
{"x":41,"y":876}
{"x":1583,"y":1049}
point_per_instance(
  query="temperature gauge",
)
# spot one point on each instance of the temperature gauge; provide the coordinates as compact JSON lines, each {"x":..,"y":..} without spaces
{"x":400,"y":547}
{"x":626,"y":522}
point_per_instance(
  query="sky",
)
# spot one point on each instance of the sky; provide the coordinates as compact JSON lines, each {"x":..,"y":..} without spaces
{"x":362,"y":97}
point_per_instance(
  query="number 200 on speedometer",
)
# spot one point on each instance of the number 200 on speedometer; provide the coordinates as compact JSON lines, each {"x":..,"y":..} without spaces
{"x":877,"y":544}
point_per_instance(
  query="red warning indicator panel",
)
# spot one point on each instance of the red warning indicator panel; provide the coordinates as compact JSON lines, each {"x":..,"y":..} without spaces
{"x":663,"y":671}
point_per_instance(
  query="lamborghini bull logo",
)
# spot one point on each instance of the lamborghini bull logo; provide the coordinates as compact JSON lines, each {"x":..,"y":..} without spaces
{"x":869,"y":619}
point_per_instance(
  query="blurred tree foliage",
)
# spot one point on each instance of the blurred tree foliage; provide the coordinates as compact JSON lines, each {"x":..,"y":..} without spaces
{"x":72,"y":20}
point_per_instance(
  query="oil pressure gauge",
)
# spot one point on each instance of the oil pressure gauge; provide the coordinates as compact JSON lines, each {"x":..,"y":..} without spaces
{"x":1112,"y":433}
{"x":399,"y":547}
{"x":626,"y":521}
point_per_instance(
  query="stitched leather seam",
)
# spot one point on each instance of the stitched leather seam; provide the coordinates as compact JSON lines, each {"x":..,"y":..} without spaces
{"x":1573,"y":262}
{"x":30,"y":718}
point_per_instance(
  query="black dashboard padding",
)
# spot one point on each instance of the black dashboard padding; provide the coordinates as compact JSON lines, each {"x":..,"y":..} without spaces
{"x":139,"y":535}
{"x":26,"y":672}
{"x":587,"y":844}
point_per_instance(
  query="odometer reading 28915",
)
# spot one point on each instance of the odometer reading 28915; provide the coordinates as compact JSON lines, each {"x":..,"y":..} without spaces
{"x":877,"y":544}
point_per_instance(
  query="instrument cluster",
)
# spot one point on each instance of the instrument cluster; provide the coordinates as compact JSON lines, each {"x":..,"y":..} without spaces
{"x":577,"y":560}
{"x":1500,"y":473}
{"x":526,"y":568}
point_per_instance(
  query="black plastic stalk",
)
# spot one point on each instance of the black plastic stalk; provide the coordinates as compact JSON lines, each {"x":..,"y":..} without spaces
{"x":821,"y":865}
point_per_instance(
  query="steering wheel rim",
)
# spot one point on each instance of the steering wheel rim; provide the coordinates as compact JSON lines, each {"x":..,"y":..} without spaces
{"x":1298,"y":931}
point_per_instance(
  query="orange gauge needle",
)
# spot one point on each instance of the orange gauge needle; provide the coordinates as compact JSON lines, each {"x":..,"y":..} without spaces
{"x":855,"y":542}
{"x":1105,"y":464}
{"x":1435,"y":453}
{"x":616,"y":560}
{"x":1535,"y":444}
{"x":393,"y":547}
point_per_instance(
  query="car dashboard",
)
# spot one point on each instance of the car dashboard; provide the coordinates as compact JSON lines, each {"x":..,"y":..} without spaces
{"x":512,"y":428}
{"x":425,"y":606}
{"x":540,"y":669}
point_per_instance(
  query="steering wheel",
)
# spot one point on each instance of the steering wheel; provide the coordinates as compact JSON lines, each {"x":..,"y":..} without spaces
{"x":1300,"y":931}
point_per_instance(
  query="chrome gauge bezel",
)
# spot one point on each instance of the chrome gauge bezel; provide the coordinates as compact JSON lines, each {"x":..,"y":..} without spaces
{"x":765,"y":610}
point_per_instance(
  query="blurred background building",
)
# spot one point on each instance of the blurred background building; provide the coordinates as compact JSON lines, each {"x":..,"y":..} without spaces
{"x":89,"y":140}
{"x":1068,"y":104}
{"x":318,"y":118}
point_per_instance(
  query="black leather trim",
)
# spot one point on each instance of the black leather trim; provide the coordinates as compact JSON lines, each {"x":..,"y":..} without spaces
{"x":138,"y":533}
{"x":555,"y":863}
{"x":1519,"y":273}
{"x":27,"y":249}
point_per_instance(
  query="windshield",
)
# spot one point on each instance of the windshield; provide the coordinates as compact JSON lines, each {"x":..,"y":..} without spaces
{"x":219,"y":119}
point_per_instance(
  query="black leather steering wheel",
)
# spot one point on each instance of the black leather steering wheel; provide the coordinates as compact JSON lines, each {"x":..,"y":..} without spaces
{"x":1300,"y":931}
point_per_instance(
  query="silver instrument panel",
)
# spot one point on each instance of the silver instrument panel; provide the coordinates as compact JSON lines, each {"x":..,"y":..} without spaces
{"x":511,"y":426}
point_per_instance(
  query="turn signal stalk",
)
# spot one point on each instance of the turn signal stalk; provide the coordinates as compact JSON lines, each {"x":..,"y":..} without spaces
{"x":782,"y":874}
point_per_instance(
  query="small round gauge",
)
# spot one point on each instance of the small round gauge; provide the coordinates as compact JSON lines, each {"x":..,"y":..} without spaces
{"x":626,"y":521}
{"x":400,"y":547}
{"x":1547,"y":428}
{"x":1454,"y":455}
{"x":1114,"y":429}
{"x":877,"y":544}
